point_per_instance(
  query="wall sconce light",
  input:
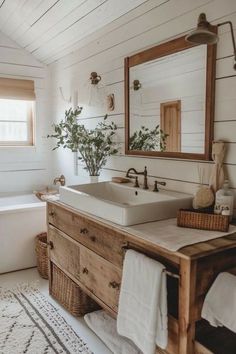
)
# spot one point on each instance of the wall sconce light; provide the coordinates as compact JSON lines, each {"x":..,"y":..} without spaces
{"x":136,"y":85}
{"x":203,"y":34}
{"x":96,"y":94}
{"x":95,"y":78}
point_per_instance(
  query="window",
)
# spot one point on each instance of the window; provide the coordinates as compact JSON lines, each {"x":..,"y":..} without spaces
{"x":16,"y":120}
{"x":17,"y":101}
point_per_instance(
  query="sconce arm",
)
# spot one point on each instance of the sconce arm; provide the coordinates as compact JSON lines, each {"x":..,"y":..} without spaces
{"x":232,"y":35}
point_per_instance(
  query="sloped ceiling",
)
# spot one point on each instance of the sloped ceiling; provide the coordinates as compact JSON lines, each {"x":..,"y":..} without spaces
{"x":50,"y":29}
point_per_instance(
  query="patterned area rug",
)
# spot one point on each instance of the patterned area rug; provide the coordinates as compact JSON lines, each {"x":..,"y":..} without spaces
{"x":29,"y":324}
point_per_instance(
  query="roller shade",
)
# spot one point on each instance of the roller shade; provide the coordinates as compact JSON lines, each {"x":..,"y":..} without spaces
{"x":16,"y":89}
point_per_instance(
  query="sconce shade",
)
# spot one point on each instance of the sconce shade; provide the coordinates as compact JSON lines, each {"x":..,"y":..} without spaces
{"x":136,"y":85}
{"x":202,"y":34}
{"x":95,"y":78}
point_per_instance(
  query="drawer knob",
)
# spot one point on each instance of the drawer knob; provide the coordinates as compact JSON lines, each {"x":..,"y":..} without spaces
{"x":51,"y":213}
{"x":114,"y":285}
{"x":85,"y":270}
{"x":84,"y":231}
{"x":50,"y":245}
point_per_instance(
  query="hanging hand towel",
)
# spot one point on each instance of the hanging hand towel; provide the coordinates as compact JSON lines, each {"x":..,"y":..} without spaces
{"x":142,"y":312}
{"x":219,"y":307}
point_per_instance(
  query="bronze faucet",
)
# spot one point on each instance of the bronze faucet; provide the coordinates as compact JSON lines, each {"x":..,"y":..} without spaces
{"x":61,"y":180}
{"x":144,"y":173}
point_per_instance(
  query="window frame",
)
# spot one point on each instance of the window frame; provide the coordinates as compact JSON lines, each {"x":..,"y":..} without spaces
{"x":30,"y":142}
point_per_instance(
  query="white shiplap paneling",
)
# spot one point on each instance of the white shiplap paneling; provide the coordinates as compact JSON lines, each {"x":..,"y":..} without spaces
{"x":50,"y":27}
{"x":24,"y":169}
{"x":105,"y":54}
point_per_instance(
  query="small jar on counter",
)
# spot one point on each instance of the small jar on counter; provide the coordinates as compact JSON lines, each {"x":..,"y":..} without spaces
{"x":224,"y":201}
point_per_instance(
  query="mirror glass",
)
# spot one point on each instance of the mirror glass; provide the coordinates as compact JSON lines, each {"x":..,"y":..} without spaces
{"x":167,"y":107}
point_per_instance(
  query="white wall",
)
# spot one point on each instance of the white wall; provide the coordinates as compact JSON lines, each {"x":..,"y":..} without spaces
{"x":149,"y":24}
{"x":24,"y":169}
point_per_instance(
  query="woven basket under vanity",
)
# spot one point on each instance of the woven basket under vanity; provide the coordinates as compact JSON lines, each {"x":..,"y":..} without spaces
{"x":42,"y":254}
{"x":69,"y":294}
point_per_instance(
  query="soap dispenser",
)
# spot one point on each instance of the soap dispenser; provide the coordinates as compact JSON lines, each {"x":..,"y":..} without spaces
{"x":224,"y":201}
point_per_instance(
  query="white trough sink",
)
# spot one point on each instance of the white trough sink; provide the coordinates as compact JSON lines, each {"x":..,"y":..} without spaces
{"x":122,"y":204}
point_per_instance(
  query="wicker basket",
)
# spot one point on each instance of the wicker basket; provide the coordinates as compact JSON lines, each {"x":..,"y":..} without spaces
{"x":202,"y":220}
{"x":42,"y":255}
{"x":69,"y":294}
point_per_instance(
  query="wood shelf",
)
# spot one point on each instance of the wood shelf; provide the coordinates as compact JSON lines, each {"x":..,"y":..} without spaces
{"x":217,"y":340}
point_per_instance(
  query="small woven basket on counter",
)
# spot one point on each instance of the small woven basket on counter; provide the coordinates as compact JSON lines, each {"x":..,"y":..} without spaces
{"x":69,"y":294}
{"x":42,"y":254}
{"x":202,"y":220}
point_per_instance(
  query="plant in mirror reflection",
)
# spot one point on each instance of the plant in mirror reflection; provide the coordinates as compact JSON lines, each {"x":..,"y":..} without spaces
{"x":147,"y":139}
{"x":93,"y":145}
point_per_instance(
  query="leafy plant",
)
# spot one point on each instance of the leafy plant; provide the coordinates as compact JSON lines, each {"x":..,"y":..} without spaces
{"x":146,"y":139}
{"x":94,"y":145}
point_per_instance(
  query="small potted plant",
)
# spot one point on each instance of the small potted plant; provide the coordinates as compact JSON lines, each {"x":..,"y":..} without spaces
{"x":94,"y":145}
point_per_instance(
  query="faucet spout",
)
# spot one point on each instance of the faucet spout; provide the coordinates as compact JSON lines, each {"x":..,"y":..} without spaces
{"x":131,"y":170}
{"x":134,"y":171}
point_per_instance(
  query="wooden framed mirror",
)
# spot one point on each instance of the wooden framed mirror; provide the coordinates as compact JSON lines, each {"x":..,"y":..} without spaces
{"x":169,"y":100}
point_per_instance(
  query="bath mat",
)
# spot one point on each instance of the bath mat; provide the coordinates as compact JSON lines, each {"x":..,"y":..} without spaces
{"x":30,"y":324}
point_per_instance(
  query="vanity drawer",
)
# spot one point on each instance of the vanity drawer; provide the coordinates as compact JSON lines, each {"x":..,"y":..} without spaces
{"x":101,"y":277}
{"x":102,"y":240}
{"x":64,"y":251}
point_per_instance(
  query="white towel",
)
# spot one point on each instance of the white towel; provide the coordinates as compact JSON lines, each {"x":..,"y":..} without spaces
{"x":219,"y":307}
{"x":105,"y":328}
{"x":142,"y":312}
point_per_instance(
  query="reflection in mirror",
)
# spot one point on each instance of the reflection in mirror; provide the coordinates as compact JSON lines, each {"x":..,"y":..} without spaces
{"x":167,"y":103}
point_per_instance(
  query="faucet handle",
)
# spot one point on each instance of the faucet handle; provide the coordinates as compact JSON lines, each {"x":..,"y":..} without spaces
{"x":136,"y":184}
{"x":61,"y":180}
{"x":155,"y":189}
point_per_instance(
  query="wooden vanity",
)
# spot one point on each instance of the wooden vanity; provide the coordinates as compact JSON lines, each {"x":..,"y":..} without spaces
{"x":91,"y":251}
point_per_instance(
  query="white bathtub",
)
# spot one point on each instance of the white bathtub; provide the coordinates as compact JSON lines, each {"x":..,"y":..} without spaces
{"x":22,"y":217}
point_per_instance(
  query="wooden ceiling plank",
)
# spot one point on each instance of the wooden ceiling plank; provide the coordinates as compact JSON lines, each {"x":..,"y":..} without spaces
{"x":97,"y":36}
{"x":7,"y":10}
{"x":19,"y":19}
{"x":65,"y":24}
{"x":155,"y":29}
{"x":43,"y":8}
{"x":41,"y":30}
{"x":138,"y":27}
{"x":23,"y":19}
{"x":103,"y":14}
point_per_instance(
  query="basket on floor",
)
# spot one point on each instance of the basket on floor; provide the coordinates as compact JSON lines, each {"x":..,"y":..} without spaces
{"x":42,"y":254}
{"x":69,"y":294}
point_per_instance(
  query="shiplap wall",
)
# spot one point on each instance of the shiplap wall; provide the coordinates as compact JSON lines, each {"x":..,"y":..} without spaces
{"x":153,"y":22}
{"x":23,"y":169}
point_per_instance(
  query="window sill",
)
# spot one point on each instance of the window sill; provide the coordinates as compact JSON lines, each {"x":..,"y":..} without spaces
{"x":17,"y":147}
